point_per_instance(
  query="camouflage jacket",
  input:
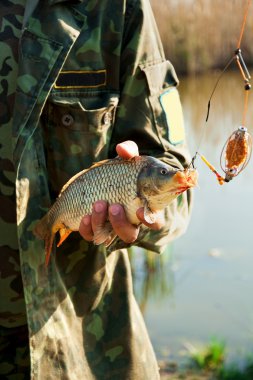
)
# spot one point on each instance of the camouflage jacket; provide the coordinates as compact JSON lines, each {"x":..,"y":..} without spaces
{"x":92,"y":73}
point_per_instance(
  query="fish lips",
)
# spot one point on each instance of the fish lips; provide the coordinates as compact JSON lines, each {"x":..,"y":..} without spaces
{"x":185,"y":180}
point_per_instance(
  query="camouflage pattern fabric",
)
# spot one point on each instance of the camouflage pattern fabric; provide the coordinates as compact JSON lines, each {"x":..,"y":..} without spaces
{"x":12,"y":306}
{"x":91,"y":74}
{"x":14,"y":348}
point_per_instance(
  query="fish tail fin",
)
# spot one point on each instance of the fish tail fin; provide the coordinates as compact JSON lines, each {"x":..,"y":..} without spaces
{"x":48,"y":247}
{"x":45,"y":231}
{"x":41,"y":228}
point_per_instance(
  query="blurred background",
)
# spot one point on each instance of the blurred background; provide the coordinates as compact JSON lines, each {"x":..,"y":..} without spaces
{"x":200,"y":35}
{"x":196,"y":297}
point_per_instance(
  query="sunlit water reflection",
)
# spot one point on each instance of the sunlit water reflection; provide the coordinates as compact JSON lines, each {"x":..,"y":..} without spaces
{"x":205,"y":287}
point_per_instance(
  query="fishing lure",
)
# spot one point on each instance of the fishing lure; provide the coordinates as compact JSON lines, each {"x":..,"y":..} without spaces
{"x":237,"y":150}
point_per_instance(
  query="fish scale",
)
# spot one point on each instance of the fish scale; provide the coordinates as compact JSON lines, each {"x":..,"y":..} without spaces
{"x":118,"y":185}
{"x":141,"y":181}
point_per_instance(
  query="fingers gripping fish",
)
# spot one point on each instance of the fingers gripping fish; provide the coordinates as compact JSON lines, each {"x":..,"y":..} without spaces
{"x":141,"y":181}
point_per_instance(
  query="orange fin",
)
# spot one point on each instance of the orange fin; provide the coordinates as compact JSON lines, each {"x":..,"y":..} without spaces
{"x":41,"y":229}
{"x":64,"y":233}
{"x":44,"y":231}
{"x":49,"y":239}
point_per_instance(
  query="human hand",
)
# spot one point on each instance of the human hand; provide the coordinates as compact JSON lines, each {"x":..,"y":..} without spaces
{"x":115,"y":212}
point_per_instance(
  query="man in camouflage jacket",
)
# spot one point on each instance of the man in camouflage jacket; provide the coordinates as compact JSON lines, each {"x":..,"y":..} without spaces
{"x":89,"y":75}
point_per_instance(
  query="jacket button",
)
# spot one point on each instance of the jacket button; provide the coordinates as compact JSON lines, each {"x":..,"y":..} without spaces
{"x":107,"y":118}
{"x":67,"y":120}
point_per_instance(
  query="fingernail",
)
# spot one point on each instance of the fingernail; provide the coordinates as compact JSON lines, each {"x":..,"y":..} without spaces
{"x":115,"y":210}
{"x":98,"y":207}
{"x":86,"y":220}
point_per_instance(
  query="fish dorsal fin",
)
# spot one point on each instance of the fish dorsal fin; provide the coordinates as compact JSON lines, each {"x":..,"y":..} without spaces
{"x":109,"y":161}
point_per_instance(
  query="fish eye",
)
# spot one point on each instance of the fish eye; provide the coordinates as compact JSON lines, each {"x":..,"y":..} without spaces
{"x":163,"y":171}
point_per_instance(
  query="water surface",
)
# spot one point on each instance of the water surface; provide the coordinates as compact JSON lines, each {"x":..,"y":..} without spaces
{"x":204,"y":286}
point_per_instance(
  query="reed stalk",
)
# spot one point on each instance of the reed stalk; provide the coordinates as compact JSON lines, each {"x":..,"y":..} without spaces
{"x":201,"y":35}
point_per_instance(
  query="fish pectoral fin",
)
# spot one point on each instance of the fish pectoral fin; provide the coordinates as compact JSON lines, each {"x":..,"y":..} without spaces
{"x":103,"y":233}
{"x":149,"y":215}
{"x":110,"y":239}
{"x":64,"y":233}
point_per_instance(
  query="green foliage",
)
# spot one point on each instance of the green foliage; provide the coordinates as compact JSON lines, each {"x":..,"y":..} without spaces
{"x":209,"y":363}
{"x":211,"y":357}
{"x":233,"y":373}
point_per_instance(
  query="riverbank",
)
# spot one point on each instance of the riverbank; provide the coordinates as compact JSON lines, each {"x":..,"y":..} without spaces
{"x":170,"y":371}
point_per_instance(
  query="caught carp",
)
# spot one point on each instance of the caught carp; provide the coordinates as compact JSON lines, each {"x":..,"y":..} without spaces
{"x":141,"y":181}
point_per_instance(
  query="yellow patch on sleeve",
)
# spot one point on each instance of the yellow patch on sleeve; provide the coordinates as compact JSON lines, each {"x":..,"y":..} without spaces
{"x":171,"y":105}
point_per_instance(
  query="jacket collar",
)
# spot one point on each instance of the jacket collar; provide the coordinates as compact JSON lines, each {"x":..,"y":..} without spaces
{"x":32,"y":4}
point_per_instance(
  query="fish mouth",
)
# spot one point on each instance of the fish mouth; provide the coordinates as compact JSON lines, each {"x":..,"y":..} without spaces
{"x":185,"y":180}
{"x":180,"y":190}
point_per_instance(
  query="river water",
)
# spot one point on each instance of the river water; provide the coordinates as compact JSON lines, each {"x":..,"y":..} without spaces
{"x":202,"y":286}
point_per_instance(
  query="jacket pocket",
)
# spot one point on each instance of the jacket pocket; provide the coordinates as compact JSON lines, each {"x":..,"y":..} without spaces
{"x":165,"y":102}
{"x":77,"y":129}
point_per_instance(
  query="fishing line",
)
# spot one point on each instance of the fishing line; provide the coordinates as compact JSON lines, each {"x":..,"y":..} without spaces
{"x":237,"y":150}
{"x":243,"y":24}
{"x":216,"y":85}
{"x":246,"y":101}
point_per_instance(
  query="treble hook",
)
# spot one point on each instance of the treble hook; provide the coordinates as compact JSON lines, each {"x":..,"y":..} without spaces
{"x":193,"y":161}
